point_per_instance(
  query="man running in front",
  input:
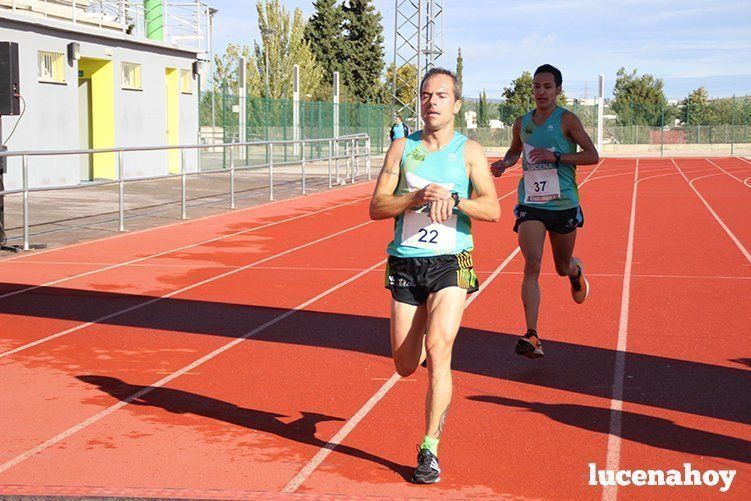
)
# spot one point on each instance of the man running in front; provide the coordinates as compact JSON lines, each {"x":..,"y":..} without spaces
{"x":548,"y":194}
{"x":432,"y":183}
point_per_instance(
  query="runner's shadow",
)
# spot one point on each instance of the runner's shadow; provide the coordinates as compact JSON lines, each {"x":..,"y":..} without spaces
{"x":649,"y":430}
{"x":703,"y":389}
{"x":742,"y":361}
{"x":302,"y":430}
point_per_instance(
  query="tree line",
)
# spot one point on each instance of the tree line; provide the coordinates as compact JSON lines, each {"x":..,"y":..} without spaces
{"x":344,"y":36}
{"x":347,"y":36}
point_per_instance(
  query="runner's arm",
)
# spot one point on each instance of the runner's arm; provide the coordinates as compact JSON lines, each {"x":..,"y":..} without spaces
{"x":573,"y":128}
{"x":483,"y":204}
{"x":384,"y":203}
{"x":513,"y":153}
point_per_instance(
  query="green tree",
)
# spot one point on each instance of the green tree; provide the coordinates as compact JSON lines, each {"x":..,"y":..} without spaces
{"x":482,"y":111}
{"x":283,"y":41}
{"x":459,"y":119}
{"x":226,"y":66}
{"x":324,"y":35}
{"x":406,"y":73}
{"x":518,"y":98}
{"x":639,"y":100}
{"x":694,"y":110}
{"x":363,"y":51}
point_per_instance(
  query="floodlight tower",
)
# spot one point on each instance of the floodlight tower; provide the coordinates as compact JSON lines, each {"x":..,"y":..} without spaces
{"x":418,"y":42}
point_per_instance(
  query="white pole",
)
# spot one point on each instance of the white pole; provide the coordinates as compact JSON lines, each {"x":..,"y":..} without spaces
{"x":418,"y":116}
{"x":242,"y":104}
{"x":600,"y":112}
{"x":296,"y":107}
{"x":336,"y":105}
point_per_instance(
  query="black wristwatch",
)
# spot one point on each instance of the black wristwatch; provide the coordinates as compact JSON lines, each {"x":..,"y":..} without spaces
{"x":557,"y":155}
{"x":456,"y":198}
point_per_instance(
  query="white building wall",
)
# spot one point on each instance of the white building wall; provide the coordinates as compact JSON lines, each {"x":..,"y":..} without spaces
{"x":51,"y":118}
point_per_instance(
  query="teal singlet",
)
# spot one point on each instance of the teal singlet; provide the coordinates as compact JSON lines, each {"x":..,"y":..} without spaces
{"x":414,"y":234}
{"x":398,"y":130}
{"x":542,"y":185}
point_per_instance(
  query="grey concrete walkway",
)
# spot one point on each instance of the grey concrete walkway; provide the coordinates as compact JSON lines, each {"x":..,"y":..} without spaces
{"x":69,"y":216}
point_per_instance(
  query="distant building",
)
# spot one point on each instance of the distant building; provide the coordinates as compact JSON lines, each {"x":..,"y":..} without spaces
{"x":100,"y":74}
{"x":470,"y":118}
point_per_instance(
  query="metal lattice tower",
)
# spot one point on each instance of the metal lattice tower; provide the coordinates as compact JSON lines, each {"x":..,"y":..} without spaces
{"x":418,"y":42}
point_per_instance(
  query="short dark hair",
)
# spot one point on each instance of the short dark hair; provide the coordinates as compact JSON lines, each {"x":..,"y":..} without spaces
{"x":549,"y":68}
{"x":442,"y":71}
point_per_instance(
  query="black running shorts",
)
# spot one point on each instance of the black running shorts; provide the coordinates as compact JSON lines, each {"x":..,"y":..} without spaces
{"x":558,"y":221}
{"x":410,"y":280}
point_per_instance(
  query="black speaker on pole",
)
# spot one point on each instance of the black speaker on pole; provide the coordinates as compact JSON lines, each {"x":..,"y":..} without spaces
{"x":10,"y":84}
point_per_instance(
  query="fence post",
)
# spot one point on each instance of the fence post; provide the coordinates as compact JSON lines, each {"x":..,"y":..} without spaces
{"x":600,"y":111}
{"x":662,"y":130}
{"x":331,"y":156}
{"x":231,"y":179}
{"x":121,"y":190}
{"x":732,"y":130}
{"x":336,"y":160}
{"x":296,"y":107}
{"x":25,"y":163}
{"x":183,"y":197}
{"x":224,"y":125}
{"x":302,"y":164}
{"x":270,"y":155}
{"x":367,"y":157}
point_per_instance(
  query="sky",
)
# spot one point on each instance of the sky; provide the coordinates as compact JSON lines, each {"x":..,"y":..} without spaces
{"x":686,"y":43}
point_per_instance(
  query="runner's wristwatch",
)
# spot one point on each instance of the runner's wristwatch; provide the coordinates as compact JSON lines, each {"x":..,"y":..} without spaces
{"x":557,"y":155}
{"x":456,"y":198}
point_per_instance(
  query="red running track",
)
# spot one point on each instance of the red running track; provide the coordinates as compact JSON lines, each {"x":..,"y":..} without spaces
{"x":246,"y":355}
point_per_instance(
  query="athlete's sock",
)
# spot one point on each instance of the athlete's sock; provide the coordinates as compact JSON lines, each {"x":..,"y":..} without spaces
{"x":530,"y":333}
{"x":431,"y":444}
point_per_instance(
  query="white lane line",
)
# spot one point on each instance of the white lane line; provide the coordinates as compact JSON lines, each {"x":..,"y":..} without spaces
{"x":122,"y":403}
{"x":728,"y":173}
{"x":350,"y":425}
{"x":179,"y":291}
{"x":616,"y":402}
{"x":719,"y":220}
{"x":177,"y":249}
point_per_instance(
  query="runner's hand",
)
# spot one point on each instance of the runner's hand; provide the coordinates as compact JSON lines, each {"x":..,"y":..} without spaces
{"x":440,"y":210}
{"x":498,"y":167}
{"x":433,"y":193}
{"x":539,"y":155}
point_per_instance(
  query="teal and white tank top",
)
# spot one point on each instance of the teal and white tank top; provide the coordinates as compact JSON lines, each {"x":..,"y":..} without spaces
{"x":543,"y":185}
{"x":414,"y":234}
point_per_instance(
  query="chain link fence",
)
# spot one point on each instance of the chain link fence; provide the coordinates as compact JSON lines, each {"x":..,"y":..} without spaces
{"x":713,"y":127}
{"x":274,"y":120}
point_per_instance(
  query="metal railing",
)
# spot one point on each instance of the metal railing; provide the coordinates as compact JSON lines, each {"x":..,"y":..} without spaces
{"x":184,"y":23}
{"x":350,"y":152}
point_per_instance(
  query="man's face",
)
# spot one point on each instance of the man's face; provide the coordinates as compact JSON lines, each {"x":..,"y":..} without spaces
{"x":437,"y":103}
{"x":545,"y":90}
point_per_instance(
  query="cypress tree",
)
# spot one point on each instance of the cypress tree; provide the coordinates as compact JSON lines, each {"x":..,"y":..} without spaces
{"x":323,"y":33}
{"x":459,"y":118}
{"x":363,"y":50}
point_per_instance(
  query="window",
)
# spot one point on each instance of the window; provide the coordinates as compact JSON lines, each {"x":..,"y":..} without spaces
{"x":131,"y":76}
{"x":51,"y":66}
{"x":185,"y":82}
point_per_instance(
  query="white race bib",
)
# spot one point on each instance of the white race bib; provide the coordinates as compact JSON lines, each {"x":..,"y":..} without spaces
{"x":540,"y":180}
{"x":418,"y":231}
